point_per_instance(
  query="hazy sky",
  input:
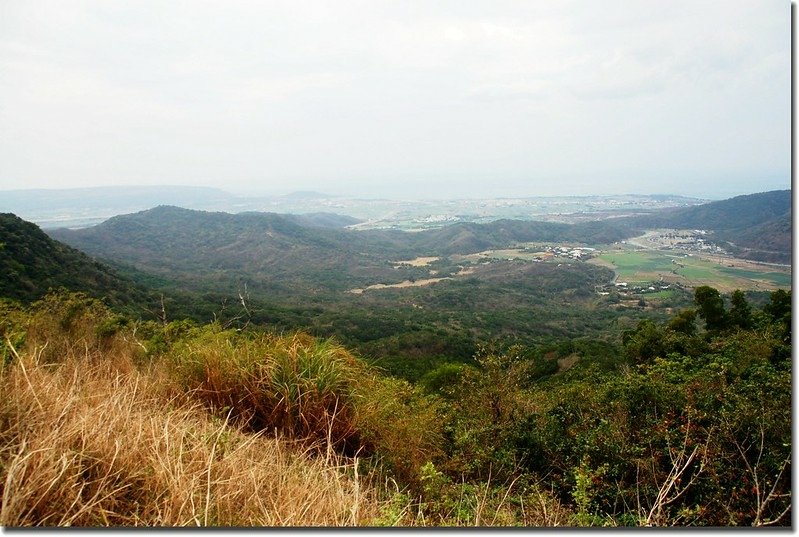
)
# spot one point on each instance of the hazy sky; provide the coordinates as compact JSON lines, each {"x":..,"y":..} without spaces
{"x":460,"y":98}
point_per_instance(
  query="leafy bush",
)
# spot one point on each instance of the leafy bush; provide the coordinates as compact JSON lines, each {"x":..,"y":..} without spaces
{"x":698,"y":436}
{"x":64,"y":323}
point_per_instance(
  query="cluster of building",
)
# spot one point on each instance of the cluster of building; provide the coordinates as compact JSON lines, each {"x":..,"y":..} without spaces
{"x":692,"y":240}
{"x":626,"y":289}
{"x":698,"y":245}
{"x":570,"y":252}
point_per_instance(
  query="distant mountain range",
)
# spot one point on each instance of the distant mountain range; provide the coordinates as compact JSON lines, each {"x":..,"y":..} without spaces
{"x":287,"y":253}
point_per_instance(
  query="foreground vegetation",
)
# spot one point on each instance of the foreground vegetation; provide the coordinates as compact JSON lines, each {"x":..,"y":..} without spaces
{"x":108,"y":420}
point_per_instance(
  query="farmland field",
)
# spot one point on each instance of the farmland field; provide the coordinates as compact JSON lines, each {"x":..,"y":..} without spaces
{"x":635,"y":266}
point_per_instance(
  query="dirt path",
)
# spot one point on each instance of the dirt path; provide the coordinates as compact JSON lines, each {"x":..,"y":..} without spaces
{"x":416,"y":283}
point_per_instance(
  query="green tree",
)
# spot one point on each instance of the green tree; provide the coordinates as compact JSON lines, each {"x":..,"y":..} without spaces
{"x":711,"y":307}
{"x":780,"y":305}
{"x":779,"y":309}
{"x":740,"y":311}
{"x":684,"y":322}
{"x":645,"y":343}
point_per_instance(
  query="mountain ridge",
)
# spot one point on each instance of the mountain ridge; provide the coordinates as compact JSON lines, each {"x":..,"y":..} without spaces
{"x":289,"y":253}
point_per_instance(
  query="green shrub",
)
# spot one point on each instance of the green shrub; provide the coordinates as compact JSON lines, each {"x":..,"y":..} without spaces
{"x":64,"y":323}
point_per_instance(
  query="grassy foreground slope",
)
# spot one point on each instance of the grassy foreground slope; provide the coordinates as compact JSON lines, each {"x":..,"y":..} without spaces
{"x":105,"y":422}
{"x":92,"y":436}
{"x":108,"y":421}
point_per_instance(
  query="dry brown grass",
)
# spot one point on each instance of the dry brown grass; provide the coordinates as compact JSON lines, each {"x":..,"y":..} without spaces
{"x":94,"y":442}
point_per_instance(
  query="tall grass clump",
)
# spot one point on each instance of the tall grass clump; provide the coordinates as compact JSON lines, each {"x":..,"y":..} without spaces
{"x":311,"y":390}
{"x":293,"y":385}
{"x":104,"y":422}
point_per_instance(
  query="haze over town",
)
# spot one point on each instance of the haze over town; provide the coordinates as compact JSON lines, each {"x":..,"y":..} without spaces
{"x":478,"y":99}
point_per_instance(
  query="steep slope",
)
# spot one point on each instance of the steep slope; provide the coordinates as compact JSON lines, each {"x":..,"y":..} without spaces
{"x":770,"y":241}
{"x":739,"y":212}
{"x":31,"y":263}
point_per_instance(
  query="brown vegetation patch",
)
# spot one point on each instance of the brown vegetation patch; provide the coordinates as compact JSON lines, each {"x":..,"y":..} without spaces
{"x":564,"y":364}
{"x":92,"y":445}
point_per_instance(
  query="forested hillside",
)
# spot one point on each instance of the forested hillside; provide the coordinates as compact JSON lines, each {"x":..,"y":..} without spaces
{"x":227,"y":249}
{"x":734,"y":213}
{"x":31,"y":263}
{"x":297,"y":276}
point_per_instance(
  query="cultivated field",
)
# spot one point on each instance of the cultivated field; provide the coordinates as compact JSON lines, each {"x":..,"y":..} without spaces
{"x":724,"y":273}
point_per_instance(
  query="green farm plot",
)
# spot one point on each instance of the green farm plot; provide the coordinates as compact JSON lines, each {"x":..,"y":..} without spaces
{"x":780,"y":279}
{"x":632,"y":266}
{"x":668,"y":293}
{"x":647,"y":266}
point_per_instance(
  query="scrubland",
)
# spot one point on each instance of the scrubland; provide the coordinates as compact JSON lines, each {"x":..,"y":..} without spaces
{"x":111,"y":421}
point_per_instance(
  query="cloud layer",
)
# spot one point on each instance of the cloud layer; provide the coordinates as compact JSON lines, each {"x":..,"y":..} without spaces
{"x":548,"y":97}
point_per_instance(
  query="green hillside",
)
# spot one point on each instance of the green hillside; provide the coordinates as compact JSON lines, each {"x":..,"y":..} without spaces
{"x":301,"y":277}
{"x":734,"y":213}
{"x":198,"y":248}
{"x":31,"y":263}
{"x":770,"y":241}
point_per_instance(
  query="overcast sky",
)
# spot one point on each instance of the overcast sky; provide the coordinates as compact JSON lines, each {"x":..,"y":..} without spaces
{"x":452,"y":99}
